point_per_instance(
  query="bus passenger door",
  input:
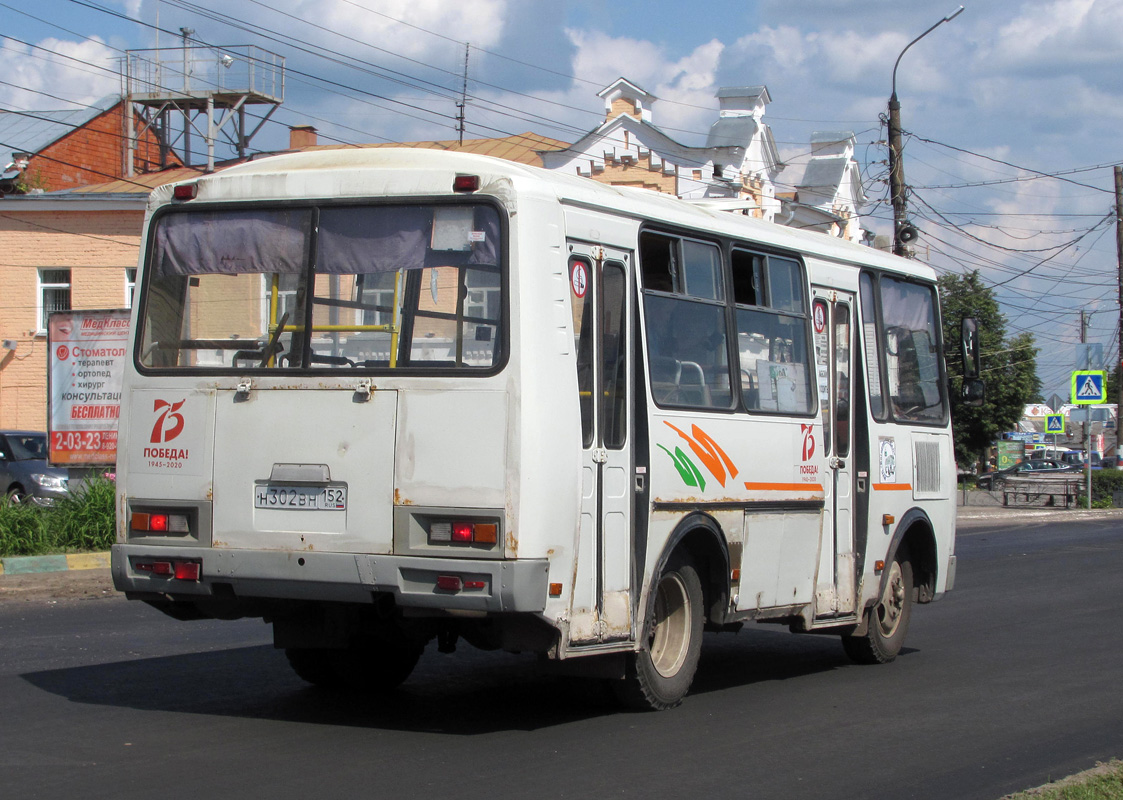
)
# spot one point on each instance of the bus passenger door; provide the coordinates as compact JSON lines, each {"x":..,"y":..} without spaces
{"x":836,"y":588}
{"x":602,"y":593}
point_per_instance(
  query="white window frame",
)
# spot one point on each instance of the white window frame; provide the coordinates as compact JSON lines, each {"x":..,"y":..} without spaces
{"x":41,"y":295}
{"x":130,"y":286}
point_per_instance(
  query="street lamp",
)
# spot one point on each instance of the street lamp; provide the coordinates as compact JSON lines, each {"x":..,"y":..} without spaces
{"x":903,"y":232}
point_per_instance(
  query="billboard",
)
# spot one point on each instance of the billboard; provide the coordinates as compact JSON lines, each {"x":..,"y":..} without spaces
{"x":86,"y":360}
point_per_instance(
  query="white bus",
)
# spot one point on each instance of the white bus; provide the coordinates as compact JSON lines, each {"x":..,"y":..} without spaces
{"x":379,"y":397}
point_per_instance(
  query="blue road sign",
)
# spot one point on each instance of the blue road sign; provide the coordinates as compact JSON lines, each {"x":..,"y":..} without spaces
{"x":1089,"y":387}
{"x":1055,"y":423}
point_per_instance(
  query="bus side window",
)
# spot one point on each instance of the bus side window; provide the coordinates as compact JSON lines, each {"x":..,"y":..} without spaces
{"x":772,"y":333}
{"x":685,"y":314}
{"x":657,"y":260}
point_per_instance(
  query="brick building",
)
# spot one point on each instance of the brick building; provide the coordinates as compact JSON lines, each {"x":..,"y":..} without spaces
{"x":54,"y":151}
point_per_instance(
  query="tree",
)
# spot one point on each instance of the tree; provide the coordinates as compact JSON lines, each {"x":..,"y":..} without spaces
{"x":1009,"y":367}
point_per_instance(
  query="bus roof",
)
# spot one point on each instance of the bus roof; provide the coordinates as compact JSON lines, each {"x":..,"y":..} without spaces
{"x":404,"y":172}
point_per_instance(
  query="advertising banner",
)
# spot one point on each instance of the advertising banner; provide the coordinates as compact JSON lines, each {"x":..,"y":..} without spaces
{"x":86,"y":357}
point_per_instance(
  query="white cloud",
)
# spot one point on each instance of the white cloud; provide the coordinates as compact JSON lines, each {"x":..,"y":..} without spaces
{"x":81,"y":72}
{"x":477,"y":21}
{"x":685,"y":87}
{"x":1059,"y":35}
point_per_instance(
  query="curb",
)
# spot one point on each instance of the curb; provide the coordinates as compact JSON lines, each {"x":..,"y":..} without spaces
{"x":27,"y":565}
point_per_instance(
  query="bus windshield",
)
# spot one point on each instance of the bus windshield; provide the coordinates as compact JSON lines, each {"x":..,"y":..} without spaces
{"x":324,"y":287}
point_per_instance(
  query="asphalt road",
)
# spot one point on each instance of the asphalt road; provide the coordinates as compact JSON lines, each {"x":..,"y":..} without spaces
{"x":1010,"y":681}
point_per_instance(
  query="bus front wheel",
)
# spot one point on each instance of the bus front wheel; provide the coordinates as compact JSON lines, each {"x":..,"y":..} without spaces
{"x":660,"y":674}
{"x":888,"y":620}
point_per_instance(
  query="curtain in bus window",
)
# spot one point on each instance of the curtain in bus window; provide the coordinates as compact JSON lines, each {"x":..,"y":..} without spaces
{"x":912,"y":350}
{"x":688,"y":352}
{"x":775,"y":374}
{"x":232,"y":242}
{"x":355,"y":240}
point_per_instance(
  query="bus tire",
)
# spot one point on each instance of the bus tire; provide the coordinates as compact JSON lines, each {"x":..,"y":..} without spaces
{"x":314,"y":665}
{"x":888,"y":619}
{"x":660,"y":673}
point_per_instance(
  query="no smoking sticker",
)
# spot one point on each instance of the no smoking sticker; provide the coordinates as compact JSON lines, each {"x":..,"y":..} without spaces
{"x":579,"y":279}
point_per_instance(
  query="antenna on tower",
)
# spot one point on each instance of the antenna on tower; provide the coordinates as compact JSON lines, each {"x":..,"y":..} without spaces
{"x":463,"y":95}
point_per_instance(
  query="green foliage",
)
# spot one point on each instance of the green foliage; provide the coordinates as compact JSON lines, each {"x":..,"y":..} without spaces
{"x":1009,"y":366}
{"x":1105,"y":482}
{"x":23,"y":530}
{"x":84,"y":521}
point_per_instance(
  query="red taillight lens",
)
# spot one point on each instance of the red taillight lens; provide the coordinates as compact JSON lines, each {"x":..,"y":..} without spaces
{"x":187,"y":570}
{"x":160,"y":523}
{"x":449,"y":583}
{"x":466,"y":183}
{"x":162,"y":568}
{"x":462,"y":531}
{"x":185,"y":191}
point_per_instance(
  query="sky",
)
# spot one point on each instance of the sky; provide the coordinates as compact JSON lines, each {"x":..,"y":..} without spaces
{"x":1012,"y":110}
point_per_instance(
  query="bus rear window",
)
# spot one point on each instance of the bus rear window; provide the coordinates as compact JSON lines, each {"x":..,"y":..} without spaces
{"x":332,"y":287}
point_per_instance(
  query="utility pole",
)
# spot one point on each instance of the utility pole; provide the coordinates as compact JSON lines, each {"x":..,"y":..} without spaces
{"x":1119,"y":358}
{"x":463,"y":94}
{"x":903,"y":232}
{"x":1087,"y":414}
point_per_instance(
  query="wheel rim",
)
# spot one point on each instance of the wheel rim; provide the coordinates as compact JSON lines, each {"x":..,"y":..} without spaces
{"x":892,"y":604}
{"x":670,"y":635}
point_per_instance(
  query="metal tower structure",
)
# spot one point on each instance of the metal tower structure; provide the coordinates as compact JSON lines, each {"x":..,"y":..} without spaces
{"x":205,"y":89}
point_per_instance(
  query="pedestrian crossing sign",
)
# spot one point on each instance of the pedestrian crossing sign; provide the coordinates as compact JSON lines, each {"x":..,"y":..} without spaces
{"x":1055,"y":423}
{"x":1089,"y":387}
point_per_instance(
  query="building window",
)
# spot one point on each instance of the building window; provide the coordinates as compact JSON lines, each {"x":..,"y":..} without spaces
{"x":54,"y":294}
{"x":130,"y":286}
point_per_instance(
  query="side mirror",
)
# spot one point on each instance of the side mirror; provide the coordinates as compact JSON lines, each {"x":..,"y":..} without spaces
{"x":969,"y":347}
{"x":973,"y":392}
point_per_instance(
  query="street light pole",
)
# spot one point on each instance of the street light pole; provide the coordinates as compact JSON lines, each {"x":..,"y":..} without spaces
{"x":896,"y":167}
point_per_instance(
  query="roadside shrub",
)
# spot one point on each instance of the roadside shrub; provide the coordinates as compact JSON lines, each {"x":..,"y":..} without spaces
{"x":83,"y":521}
{"x":23,"y":530}
{"x":1105,"y":482}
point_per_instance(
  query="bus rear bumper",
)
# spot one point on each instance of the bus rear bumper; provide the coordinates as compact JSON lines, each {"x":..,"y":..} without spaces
{"x":452,"y":584}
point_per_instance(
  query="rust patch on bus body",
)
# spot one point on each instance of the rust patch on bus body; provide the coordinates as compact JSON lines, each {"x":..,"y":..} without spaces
{"x":401,"y":501}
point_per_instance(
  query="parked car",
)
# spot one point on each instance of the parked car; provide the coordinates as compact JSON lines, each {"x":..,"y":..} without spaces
{"x":25,"y":475}
{"x":1076,"y":458}
{"x":1032,"y":466}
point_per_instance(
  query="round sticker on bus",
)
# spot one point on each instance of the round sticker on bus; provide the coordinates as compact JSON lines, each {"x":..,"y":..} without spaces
{"x":579,"y":279}
{"x":820,"y":317}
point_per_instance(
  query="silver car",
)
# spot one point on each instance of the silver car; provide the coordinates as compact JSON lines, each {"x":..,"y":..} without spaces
{"x":25,"y":475}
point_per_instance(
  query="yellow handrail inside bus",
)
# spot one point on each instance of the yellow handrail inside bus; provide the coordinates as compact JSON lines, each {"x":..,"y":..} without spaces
{"x":394,"y":327}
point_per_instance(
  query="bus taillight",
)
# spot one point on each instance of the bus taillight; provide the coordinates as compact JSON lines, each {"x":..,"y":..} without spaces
{"x":159,"y":523}
{"x":464,"y":532}
{"x":466,"y":183}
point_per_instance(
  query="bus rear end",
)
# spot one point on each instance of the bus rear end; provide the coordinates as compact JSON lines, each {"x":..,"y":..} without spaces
{"x":314,"y":423}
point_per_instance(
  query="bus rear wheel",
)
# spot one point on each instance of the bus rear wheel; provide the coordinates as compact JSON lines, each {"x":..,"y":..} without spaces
{"x":888,"y":620}
{"x":660,"y":674}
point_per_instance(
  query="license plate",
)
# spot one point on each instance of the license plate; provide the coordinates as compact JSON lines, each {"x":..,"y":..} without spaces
{"x":300,"y":498}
